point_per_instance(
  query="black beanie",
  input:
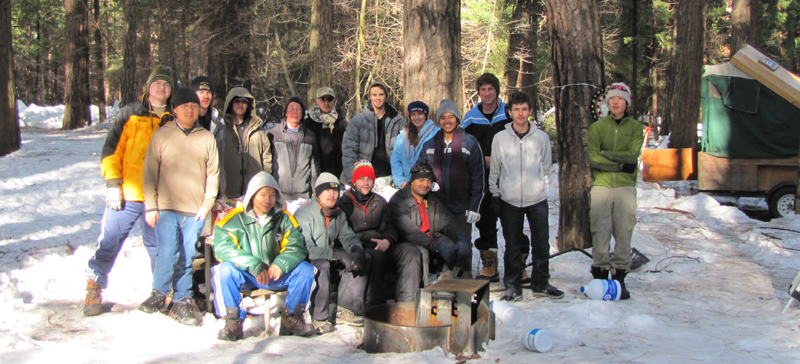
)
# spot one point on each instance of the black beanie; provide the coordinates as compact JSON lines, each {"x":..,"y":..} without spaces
{"x":418,"y":106}
{"x":299,"y":102}
{"x":184,"y":95}
{"x":201,"y":83}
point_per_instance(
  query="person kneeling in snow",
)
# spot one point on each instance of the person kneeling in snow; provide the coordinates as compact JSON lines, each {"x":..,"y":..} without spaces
{"x":260,"y":245}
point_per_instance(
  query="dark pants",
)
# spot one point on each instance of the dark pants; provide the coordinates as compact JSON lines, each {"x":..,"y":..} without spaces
{"x":375,"y":283}
{"x":352,"y":286}
{"x":408,"y":261}
{"x":512,"y":220}
{"x":487,"y":226}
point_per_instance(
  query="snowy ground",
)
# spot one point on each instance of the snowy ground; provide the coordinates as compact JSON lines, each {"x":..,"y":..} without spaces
{"x":722,"y":306}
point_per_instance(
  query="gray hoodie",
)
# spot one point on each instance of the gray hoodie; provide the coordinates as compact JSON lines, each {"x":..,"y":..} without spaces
{"x":520,"y":166}
{"x":259,"y":181}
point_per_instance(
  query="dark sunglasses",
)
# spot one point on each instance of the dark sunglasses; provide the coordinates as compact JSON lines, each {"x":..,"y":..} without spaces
{"x":240,"y":101}
{"x":327,"y":98}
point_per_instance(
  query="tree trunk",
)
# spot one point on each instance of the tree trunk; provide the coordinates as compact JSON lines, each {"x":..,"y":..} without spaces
{"x":634,"y":107}
{"x":432,"y":52}
{"x":144,"y":51}
{"x":523,"y":44}
{"x":128,"y":88}
{"x":742,"y":25}
{"x":229,"y":48}
{"x":686,"y":69}
{"x":319,"y":47}
{"x":99,"y":65}
{"x":576,"y":51}
{"x":362,"y":26}
{"x":77,"y":95}
{"x":9,"y":121}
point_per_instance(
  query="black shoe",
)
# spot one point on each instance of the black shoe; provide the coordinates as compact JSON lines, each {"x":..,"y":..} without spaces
{"x":620,"y":277}
{"x":547,"y":291}
{"x":511,"y":296}
{"x":599,"y":273}
{"x":153,"y":303}
{"x":348,"y":317}
{"x":185,"y":312}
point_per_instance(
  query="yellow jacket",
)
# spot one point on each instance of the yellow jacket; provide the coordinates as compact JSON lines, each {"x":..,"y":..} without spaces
{"x":123,"y":154}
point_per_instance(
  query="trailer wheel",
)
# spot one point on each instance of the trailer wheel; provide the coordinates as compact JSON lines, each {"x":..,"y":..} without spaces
{"x":781,"y":203}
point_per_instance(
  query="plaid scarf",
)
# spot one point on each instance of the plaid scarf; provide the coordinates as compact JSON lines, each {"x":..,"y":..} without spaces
{"x":327,"y":120}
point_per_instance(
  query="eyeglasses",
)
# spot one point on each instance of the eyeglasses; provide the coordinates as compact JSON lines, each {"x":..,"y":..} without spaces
{"x":327,"y":98}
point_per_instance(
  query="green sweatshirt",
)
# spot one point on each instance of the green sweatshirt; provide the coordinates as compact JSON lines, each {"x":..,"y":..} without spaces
{"x":610,"y":146}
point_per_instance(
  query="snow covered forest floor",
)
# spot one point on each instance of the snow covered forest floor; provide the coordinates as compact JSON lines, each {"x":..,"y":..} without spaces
{"x":717,"y":297}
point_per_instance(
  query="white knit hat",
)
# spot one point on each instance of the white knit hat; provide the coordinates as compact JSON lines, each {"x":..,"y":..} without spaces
{"x":619,"y":89}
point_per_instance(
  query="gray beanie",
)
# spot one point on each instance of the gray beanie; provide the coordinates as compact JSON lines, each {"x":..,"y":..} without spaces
{"x":619,"y":89}
{"x":447,"y":106}
{"x":326,"y":181}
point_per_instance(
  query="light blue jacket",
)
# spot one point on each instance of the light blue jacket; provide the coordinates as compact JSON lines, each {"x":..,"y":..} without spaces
{"x":405,"y":155}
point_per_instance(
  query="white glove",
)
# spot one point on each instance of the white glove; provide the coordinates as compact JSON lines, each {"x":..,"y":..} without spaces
{"x":434,"y":187}
{"x":473,"y":217}
{"x":114,"y":196}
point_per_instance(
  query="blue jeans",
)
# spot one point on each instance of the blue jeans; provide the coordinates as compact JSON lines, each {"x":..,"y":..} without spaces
{"x":228,"y":280}
{"x":177,"y":236}
{"x":116,"y":226}
{"x":512,"y":219}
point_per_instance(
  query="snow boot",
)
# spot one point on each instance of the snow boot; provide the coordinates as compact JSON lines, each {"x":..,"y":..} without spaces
{"x":322,"y":327}
{"x":233,"y":326}
{"x":620,"y":277}
{"x":489,"y":262}
{"x":91,"y":306}
{"x":155,"y":302}
{"x":599,"y":273}
{"x":295,"y":323}
{"x":186,"y":312}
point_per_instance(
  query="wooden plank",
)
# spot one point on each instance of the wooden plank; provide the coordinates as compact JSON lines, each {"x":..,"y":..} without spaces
{"x":770,"y":175}
{"x":769,"y":73}
{"x":723,"y":174}
{"x":668,"y":165}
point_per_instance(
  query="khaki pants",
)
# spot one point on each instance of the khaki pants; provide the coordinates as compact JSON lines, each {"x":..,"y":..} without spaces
{"x":613,"y":212}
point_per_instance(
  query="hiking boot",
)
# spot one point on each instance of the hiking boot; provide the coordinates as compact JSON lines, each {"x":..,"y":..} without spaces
{"x":155,"y":302}
{"x":91,"y":306}
{"x":620,"y":277}
{"x":511,"y":296}
{"x":547,"y":291}
{"x":490,"y":263}
{"x":322,"y":327}
{"x":294,"y":323}
{"x":185,"y":311}
{"x":233,"y":326}
{"x":599,"y":273}
{"x":347,"y":317}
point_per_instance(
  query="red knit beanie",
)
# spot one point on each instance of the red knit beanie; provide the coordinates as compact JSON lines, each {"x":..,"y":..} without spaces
{"x":363,"y":168}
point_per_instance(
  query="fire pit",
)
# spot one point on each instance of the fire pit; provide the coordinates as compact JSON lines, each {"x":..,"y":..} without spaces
{"x":453,"y":314}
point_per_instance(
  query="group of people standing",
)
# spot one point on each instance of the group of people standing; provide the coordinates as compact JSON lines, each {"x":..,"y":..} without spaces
{"x":451,"y":173}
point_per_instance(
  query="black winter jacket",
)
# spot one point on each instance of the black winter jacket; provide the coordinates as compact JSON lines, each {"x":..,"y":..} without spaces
{"x":373,"y":221}
{"x":407,"y":219}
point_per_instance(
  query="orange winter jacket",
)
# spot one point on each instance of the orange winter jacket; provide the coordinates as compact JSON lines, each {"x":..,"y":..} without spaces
{"x":126,"y":145}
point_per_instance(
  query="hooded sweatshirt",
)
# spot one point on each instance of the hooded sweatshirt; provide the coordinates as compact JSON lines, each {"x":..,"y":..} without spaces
{"x":246,"y":153}
{"x":241,"y":240}
{"x":520,"y":166}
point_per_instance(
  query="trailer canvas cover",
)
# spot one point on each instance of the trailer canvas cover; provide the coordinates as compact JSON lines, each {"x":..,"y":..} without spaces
{"x":742,"y":118}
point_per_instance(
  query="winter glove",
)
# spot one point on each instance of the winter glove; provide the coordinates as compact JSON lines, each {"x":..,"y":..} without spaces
{"x":496,"y":206}
{"x":446,"y":249}
{"x":473,"y":217}
{"x":342,"y":257}
{"x":434,"y":187}
{"x":628,"y":168}
{"x":114,"y":198}
{"x":358,"y":260}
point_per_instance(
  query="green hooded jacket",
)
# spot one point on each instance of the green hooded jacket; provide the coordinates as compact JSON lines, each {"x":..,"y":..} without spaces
{"x":241,"y":240}
{"x":610,"y":146}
